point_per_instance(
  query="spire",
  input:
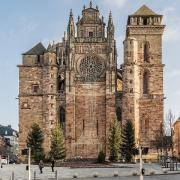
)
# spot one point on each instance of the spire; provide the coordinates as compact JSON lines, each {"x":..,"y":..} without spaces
{"x":49,"y":47}
{"x":90,"y":4}
{"x":102,"y":18}
{"x":71,"y":13}
{"x":65,"y":36}
{"x":110,"y":22}
{"x":71,"y":28}
{"x":110,"y":28}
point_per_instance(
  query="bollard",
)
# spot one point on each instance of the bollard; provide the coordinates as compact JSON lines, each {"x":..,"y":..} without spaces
{"x":56,"y":175}
{"x":34,"y":175}
{"x":27,"y":167}
{"x":12,"y":175}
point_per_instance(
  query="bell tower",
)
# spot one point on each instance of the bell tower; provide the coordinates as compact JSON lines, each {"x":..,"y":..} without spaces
{"x":143,"y":98}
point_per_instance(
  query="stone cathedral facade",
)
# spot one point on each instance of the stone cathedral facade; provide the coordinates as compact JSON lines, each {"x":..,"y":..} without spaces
{"x":77,"y":83}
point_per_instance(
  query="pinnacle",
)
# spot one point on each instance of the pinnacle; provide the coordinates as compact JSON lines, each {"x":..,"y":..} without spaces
{"x":71,"y":13}
{"x":90,"y":4}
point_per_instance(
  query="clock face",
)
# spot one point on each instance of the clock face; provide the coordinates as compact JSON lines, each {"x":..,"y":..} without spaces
{"x":91,"y":68}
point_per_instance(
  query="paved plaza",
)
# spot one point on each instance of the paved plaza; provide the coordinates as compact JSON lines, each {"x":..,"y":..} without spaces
{"x":124,"y":171}
{"x":161,"y":177}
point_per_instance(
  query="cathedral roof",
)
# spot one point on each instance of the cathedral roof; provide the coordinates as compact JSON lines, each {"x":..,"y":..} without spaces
{"x":144,"y":11}
{"x":38,"y":49}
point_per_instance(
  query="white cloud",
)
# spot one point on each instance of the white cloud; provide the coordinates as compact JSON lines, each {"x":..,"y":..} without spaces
{"x":115,"y":3}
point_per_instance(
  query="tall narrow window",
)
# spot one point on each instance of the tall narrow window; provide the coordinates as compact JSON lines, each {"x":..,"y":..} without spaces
{"x":90,"y":34}
{"x":62,"y":117}
{"x":118,"y":114}
{"x":61,"y":84}
{"x":146,"y":52}
{"x":35,"y":88}
{"x":146,"y":127}
{"x":83,"y":126}
{"x":97,"y":128}
{"x":38,"y":58}
{"x":145,"y":83}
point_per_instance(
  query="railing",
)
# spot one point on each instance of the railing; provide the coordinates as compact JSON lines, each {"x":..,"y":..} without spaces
{"x":88,"y":39}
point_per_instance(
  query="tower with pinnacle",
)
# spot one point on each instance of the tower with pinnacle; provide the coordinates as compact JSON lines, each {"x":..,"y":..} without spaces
{"x":143,"y":98}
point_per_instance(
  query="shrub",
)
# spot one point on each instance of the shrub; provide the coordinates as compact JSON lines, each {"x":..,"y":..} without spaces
{"x":101,"y":157}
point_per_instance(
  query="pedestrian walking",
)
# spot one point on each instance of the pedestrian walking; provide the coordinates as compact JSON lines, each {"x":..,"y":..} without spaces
{"x":41,"y":166}
{"x":52,"y":164}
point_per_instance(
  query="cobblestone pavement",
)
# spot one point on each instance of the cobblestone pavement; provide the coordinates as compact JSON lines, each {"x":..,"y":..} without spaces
{"x":20,"y":172}
{"x":161,"y":177}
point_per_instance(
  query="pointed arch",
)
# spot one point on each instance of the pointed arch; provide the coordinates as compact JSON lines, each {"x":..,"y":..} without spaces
{"x":62,"y":117}
{"x":61,"y":84}
{"x":119,"y":114}
{"x":145,"y":83}
{"x":146,"y":51}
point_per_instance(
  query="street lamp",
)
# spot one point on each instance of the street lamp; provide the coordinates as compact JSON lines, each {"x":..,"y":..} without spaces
{"x":29,"y":163}
{"x":141,"y":164}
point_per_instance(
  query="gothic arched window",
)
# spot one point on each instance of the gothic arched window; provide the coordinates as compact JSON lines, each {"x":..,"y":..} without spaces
{"x":145,"y":83}
{"x":119,"y":114}
{"x":61,"y":84}
{"x":146,"y":51}
{"x":62,"y":117}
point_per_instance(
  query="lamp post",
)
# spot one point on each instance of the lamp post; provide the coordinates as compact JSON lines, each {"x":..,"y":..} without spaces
{"x":29,"y":163}
{"x":0,"y":161}
{"x":141,"y":164}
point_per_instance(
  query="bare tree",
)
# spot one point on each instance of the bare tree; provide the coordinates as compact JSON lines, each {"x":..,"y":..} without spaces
{"x":170,"y":118}
{"x":159,"y":139}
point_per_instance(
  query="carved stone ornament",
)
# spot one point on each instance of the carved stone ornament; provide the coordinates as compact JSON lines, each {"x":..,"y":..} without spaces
{"x":91,"y":68}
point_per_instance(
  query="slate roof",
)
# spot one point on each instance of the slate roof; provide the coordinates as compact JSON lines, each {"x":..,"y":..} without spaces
{"x":144,"y":11}
{"x":6,"y":131}
{"x":38,"y":49}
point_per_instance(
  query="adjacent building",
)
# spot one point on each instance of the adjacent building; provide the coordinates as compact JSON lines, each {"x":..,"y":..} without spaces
{"x":9,"y":138}
{"x":77,"y":82}
{"x":176,"y":138}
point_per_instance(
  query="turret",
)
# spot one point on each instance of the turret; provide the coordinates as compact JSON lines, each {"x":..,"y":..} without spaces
{"x":110,"y":28}
{"x":71,"y":27}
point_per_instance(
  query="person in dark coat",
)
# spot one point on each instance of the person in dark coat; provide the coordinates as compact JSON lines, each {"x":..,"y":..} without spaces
{"x":52,"y":164}
{"x":41,"y":166}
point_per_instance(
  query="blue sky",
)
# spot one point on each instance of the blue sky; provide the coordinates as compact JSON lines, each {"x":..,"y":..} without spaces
{"x":23,"y":23}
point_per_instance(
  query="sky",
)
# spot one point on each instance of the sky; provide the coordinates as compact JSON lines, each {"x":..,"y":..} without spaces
{"x":24,"y":23}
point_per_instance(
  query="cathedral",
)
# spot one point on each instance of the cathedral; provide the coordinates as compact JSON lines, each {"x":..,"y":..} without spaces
{"x":77,"y":83}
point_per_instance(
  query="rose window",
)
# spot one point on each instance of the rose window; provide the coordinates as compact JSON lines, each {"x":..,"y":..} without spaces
{"x":91,"y":67}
